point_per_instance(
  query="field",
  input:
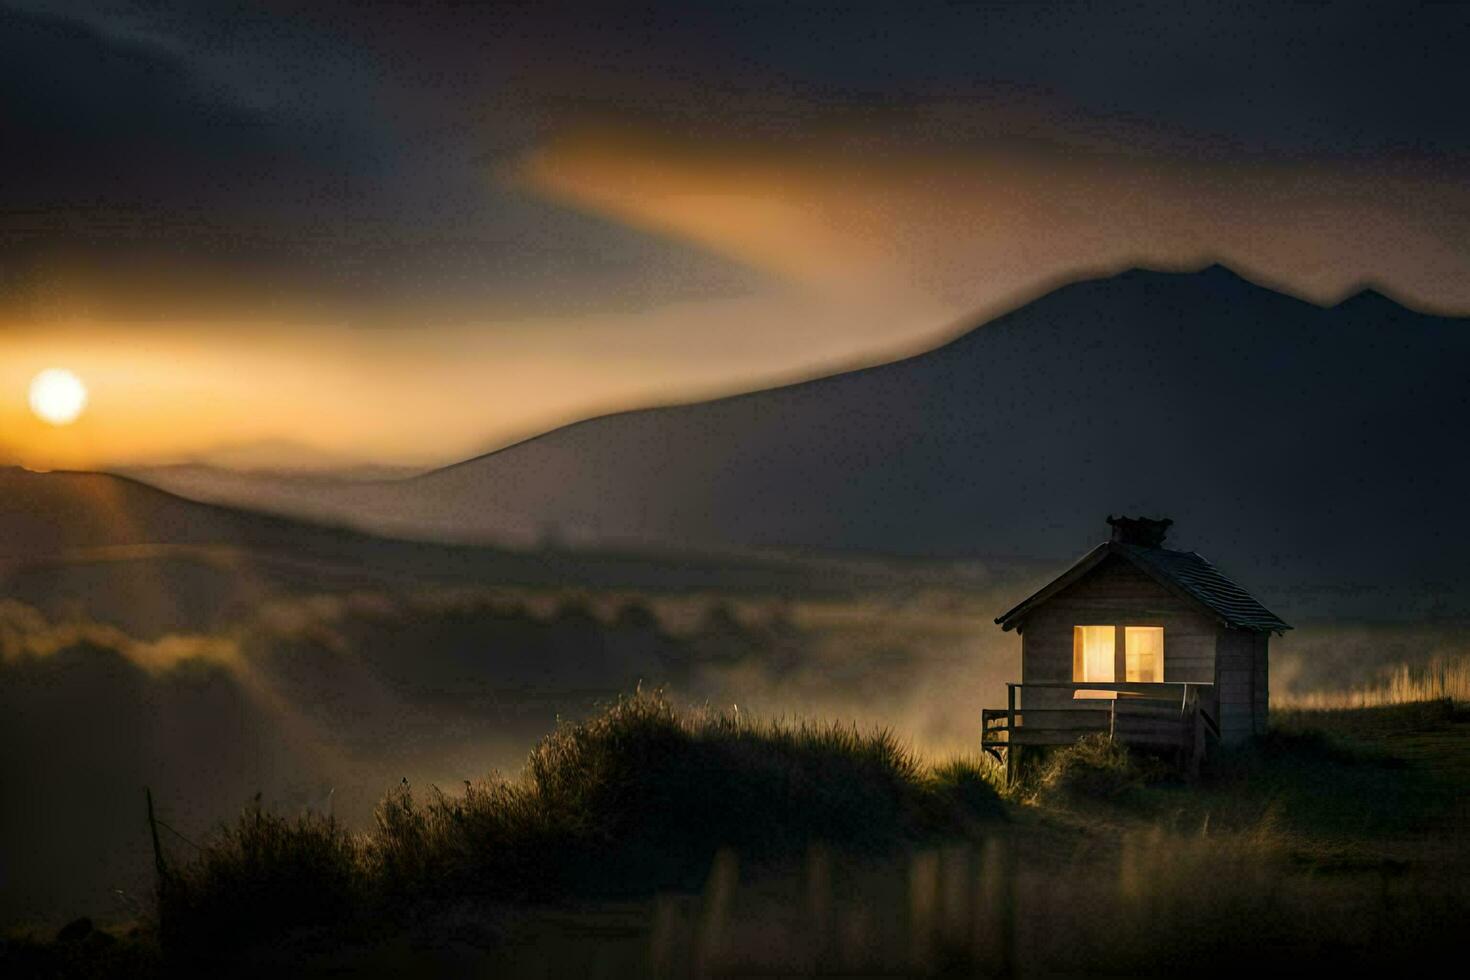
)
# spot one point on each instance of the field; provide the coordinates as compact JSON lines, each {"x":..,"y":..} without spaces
{"x":653,"y":842}
{"x":850,"y":832}
{"x":219,"y":654}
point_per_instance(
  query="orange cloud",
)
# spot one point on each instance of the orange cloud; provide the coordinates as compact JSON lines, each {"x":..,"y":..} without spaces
{"x":875,"y":247}
{"x":978,"y":226}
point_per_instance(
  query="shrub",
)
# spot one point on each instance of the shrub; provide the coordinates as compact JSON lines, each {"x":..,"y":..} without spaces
{"x":970,"y":789}
{"x":652,"y":795}
{"x":1094,"y":769}
{"x":635,"y":800}
{"x":261,"y":874}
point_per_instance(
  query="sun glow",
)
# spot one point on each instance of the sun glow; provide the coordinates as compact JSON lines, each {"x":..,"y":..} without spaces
{"x":58,"y":396}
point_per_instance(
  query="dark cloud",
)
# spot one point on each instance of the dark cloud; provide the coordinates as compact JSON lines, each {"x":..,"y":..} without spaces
{"x":1254,"y":78}
{"x":344,"y":157}
{"x":148,"y":178}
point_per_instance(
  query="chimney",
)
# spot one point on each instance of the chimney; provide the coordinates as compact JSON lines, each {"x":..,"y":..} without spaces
{"x":1145,"y":532}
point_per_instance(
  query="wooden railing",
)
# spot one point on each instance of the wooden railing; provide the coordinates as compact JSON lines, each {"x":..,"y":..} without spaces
{"x":1166,"y":715}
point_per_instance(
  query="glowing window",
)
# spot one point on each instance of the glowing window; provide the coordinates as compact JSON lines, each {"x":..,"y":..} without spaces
{"x":1092,"y":652}
{"x":1143,"y":648}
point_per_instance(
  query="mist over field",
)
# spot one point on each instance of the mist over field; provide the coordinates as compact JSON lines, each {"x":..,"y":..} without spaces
{"x":326,"y":701}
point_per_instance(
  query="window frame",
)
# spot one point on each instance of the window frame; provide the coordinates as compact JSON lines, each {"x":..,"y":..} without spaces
{"x":1120,"y":632}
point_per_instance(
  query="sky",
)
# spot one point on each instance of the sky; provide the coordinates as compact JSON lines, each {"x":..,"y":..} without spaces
{"x":326,"y":233}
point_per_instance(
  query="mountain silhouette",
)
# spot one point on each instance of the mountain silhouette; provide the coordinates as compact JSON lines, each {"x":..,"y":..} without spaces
{"x":1302,"y":447}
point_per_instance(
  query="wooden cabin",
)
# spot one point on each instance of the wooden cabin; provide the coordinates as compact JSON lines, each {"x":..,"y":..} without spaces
{"x":1155,"y":647}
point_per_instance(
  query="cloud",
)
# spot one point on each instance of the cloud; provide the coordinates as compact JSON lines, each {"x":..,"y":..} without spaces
{"x":567,"y":215}
{"x":875,"y":214}
{"x":26,"y":634}
{"x":152,"y":174}
{"x":177,"y":160}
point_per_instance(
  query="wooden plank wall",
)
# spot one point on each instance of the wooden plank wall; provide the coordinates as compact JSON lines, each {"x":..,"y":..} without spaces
{"x":1114,"y":594}
{"x":1242,"y":686}
{"x":1262,"y":703}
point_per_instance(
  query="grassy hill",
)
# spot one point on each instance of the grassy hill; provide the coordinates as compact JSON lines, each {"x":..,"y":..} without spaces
{"x":650,"y":842}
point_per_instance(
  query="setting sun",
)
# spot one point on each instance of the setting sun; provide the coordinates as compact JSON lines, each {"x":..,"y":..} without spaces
{"x":58,"y":396}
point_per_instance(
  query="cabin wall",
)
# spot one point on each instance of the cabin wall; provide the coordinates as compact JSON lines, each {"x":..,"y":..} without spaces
{"x":1118,"y":594}
{"x":1262,"y":662}
{"x":1243,"y":684}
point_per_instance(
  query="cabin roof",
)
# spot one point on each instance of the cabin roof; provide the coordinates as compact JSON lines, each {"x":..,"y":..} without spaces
{"x":1187,"y":574}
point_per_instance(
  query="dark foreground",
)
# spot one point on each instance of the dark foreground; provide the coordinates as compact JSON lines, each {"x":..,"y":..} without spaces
{"x":648,"y":843}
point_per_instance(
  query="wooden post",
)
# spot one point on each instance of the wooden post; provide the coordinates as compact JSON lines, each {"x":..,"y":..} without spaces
{"x":158,"y":863}
{"x":1010,"y":733}
{"x":1197,"y":750}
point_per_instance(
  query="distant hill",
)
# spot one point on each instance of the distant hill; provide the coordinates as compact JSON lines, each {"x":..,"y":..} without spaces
{"x":286,"y":456}
{"x":1305,"y":449}
{"x":110,"y":548}
{"x":58,"y":514}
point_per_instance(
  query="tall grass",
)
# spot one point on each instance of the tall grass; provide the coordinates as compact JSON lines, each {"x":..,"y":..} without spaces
{"x":1200,"y":904}
{"x":259,"y":871}
{"x":638,"y":799}
{"x":1440,"y":679}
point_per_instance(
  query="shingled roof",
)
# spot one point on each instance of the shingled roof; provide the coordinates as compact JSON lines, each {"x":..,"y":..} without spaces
{"x":1187,"y":574}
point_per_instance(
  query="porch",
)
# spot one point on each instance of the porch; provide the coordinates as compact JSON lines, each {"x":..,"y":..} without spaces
{"x":1161,"y":716}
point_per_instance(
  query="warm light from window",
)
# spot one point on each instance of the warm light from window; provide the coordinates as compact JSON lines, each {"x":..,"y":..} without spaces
{"x":1144,"y":653}
{"x":1092,"y":656}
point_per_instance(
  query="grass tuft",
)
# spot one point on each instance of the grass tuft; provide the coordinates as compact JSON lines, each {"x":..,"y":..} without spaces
{"x":1096,"y":769}
{"x":976,"y":783}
